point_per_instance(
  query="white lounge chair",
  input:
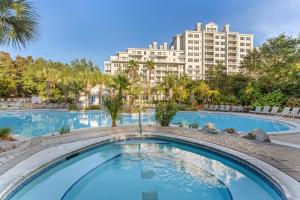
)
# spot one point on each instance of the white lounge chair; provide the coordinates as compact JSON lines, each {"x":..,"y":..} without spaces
{"x":210,"y":107}
{"x":227,"y":108}
{"x":233,"y":108}
{"x":222,"y":107}
{"x":216,"y":107}
{"x":257,"y":109}
{"x":266,"y":110}
{"x":274,"y":110}
{"x":240,"y":108}
{"x":205,"y":106}
{"x":294,"y":112}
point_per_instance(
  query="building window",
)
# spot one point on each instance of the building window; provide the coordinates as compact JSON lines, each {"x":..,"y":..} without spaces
{"x":190,"y":41}
{"x":190,"y":35}
{"x":196,"y":48}
{"x":247,"y":38}
{"x":190,"y":54}
{"x":196,"y":54}
{"x":196,"y":41}
{"x":196,"y":60}
{"x":196,"y":36}
{"x":190,"y":60}
{"x":217,"y":49}
{"x":190,"y":48}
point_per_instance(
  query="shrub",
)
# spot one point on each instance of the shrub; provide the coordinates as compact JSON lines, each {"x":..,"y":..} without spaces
{"x":179,"y":124}
{"x":93,"y":107}
{"x":5,"y":132}
{"x":73,"y":106}
{"x":164,"y":113}
{"x":194,"y":125}
{"x":64,"y":130}
{"x":275,"y":98}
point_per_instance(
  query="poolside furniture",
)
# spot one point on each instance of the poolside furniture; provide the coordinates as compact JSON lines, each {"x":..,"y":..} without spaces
{"x":294,"y":112}
{"x":266,"y":110}
{"x":210,"y":107}
{"x":216,"y":107}
{"x":233,"y":108}
{"x":227,"y":108}
{"x":222,"y":107}
{"x":257,"y":109}
{"x":240,"y":109}
{"x":274,"y":110}
{"x":206,"y":107}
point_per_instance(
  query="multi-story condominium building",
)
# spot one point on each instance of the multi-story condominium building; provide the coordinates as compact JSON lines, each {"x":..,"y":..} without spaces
{"x":192,"y":53}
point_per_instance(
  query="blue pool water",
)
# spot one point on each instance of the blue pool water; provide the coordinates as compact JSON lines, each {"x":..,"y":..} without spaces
{"x":37,"y":123}
{"x":147,"y":170}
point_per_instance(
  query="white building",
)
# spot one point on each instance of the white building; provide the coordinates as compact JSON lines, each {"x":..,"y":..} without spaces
{"x":193,"y":52}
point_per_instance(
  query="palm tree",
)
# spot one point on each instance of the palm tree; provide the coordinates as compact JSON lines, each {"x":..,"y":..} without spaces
{"x":133,"y":76}
{"x":18,"y":23}
{"x":113,"y":104}
{"x":150,"y":66}
{"x":168,"y":84}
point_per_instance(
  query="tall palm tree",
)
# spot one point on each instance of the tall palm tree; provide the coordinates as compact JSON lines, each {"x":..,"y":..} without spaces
{"x":18,"y":23}
{"x":168,"y":84}
{"x":133,"y":76}
{"x":150,"y":66}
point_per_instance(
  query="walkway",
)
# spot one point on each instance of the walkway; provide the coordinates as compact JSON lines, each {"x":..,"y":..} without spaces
{"x":286,"y":159}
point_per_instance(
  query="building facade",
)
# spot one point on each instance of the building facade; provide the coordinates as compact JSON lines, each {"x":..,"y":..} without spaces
{"x":192,"y":53}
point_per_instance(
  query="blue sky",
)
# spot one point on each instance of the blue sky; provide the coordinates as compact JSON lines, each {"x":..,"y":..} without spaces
{"x":96,"y":29}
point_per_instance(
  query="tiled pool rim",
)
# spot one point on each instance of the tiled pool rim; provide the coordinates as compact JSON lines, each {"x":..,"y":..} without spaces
{"x":287,"y":190}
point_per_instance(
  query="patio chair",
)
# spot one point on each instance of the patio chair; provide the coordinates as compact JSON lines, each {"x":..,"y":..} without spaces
{"x":205,"y":106}
{"x":216,"y":107}
{"x":210,"y":107}
{"x":233,"y":108}
{"x":294,"y":112}
{"x":240,"y":109}
{"x":274,"y":110}
{"x":266,"y":110}
{"x":257,"y":109}
{"x":227,"y":108}
{"x":222,"y":107}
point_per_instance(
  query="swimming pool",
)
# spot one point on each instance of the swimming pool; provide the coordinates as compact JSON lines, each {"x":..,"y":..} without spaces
{"x":41,"y":122}
{"x":148,"y":169}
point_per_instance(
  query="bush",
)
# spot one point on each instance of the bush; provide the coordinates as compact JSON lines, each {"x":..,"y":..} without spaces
{"x":5,"y":132}
{"x":93,"y":107}
{"x":64,"y":130}
{"x":275,"y":98}
{"x":194,"y":125}
{"x":73,"y":107}
{"x":183,"y":107}
{"x":165,"y":112}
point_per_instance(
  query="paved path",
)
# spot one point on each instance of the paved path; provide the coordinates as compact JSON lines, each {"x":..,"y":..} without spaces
{"x":286,"y":159}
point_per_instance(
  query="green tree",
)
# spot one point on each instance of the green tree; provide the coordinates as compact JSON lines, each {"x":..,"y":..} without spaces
{"x":18,"y":22}
{"x":150,"y":67}
{"x":132,"y":71}
{"x":164,"y":113}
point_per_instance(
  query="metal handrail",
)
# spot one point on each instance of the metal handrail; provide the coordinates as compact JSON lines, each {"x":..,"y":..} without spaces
{"x":280,"y":115}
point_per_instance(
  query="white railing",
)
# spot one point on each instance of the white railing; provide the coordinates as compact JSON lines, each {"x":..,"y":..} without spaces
{"x":280,"y":115}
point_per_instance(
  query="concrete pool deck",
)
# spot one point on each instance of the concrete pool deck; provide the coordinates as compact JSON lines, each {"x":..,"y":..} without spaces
{"x":282,"y":163}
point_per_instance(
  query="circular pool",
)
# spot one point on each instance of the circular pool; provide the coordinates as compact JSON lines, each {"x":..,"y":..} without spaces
{"x":148,"y":169}
{"x":34,"y":123}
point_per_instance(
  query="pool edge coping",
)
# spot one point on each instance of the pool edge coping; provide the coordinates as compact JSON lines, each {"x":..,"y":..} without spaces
{"x":284,"y":181}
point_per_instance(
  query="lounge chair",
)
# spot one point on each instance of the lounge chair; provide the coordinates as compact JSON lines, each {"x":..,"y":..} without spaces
{"x":240,"y":109}
{"x":205,"y":106}
{"x":257,"y":109}
{"x":233,"y":108}
{"x":210,"y":107}
{"x":294,"y":112}
{"x":266,"y":110}
{"x":222,"y":107}
{"x":227,"y":108}
{"x":216,"y":107}
{"x":274,"y":110}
